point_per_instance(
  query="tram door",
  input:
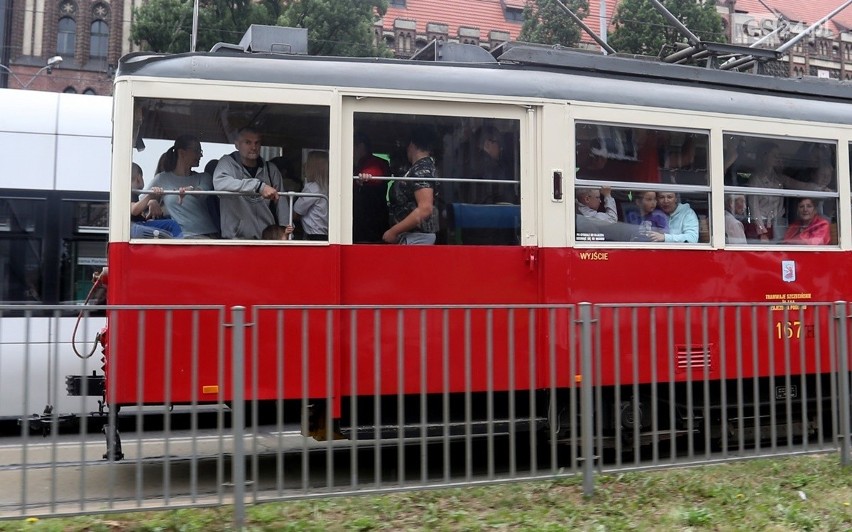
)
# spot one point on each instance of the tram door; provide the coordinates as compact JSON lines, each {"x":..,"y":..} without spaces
{"x":476,"y":160}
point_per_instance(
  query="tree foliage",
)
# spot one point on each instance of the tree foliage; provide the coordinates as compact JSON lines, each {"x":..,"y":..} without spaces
{"x":641,"y":29}
{"x":547,"y":23}
{"x":335,"y":27}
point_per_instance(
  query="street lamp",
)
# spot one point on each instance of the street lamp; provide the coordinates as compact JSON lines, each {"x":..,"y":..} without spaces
{"x":52,"y":62}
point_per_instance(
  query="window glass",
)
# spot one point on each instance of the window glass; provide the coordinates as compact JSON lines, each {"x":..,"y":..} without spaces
{"x":66,"y":37}
{"x":91,"y":217}
{"x":185,"y":143}
{"x":83,"y":248}
{"x":21,"y":267}
{"x":780,"y":191}
{"x":477,"y":164}
{"x":641,"y":185}
{"x":80,"y":260}
{"x":99,"y":40}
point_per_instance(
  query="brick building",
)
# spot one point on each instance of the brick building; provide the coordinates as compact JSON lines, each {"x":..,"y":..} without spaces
{"x":91,"y":35}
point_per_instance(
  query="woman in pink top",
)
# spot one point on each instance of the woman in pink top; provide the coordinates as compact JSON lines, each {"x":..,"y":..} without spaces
{"x":810,"y":228}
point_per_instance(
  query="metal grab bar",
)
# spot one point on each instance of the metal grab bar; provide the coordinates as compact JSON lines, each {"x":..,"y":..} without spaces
{"x":443,"y":179}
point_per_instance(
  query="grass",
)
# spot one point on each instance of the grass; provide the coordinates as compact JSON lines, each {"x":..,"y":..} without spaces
{"x":802,"y":493}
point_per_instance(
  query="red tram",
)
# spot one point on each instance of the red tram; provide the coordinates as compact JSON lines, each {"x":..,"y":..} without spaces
{"x":481,"y":326}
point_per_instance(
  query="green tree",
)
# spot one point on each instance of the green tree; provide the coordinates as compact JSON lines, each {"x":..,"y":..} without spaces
{"x":337,"y":27}
{"x":641,"y":29}
{"x":166,"y":25}
{"x":547,"y":23}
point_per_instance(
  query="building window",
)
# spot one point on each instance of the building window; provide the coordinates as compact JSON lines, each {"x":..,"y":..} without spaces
{"x":99,"y":40}
{"x":70,"y":90}
{"x":89,"y":91}
{"x":66,"y":37}
{"x":514,"y":14}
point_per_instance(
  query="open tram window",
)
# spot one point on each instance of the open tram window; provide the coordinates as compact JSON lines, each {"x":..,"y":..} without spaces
{"x":477,"y":194}
{"x":780,"y":191}
{"x":638,"y":184}
{"x":203,"y":134}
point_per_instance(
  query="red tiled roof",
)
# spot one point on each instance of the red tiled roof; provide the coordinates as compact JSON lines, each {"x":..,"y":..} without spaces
{"x":486,"y":15}
{"x":806,"y":12}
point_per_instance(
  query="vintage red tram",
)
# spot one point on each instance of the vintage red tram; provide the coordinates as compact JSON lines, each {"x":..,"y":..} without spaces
{"x":482,"y":327}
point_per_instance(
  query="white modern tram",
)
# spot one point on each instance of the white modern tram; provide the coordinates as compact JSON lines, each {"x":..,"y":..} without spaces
{"x":54,"y":183}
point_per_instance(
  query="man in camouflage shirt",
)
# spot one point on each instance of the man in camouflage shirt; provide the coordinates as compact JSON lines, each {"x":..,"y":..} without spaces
{"x":411,"y":203}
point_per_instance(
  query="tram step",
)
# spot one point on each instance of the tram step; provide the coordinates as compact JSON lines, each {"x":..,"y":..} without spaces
{"x":441,"y":430}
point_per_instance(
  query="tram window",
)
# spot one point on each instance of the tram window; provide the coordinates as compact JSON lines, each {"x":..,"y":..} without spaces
{"x":80,"y":259}
{"x":21,"y":265}
{"x":478,"y":167}
{"x":616,"y":165}
{"x":286,"y":130}
{"x":91,"y":217}
{"x":804,"y":213}
{"x":619,"y":153}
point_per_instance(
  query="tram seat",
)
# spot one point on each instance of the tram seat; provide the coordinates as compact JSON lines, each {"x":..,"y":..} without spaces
{"x":833,"y":232}
{"x":484,"y":224}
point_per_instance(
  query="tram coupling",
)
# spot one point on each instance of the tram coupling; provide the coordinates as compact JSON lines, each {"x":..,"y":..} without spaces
{"x":88,"y":385}
{"x":47,"y":420}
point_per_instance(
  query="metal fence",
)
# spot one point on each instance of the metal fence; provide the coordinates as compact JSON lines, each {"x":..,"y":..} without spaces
{"x":282,"y":402}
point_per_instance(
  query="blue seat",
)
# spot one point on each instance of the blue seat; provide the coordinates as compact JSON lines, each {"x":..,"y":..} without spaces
{"x":471,"y":223}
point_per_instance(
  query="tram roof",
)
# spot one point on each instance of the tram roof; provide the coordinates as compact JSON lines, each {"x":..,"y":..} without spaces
{"x":524,"y":71}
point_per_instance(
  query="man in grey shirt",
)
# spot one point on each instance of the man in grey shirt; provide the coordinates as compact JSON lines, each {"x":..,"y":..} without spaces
{"x":246,"y":216}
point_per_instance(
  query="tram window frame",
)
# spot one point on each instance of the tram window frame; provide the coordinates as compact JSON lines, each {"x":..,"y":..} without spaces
{"x":604,"y":150}
{"x":54,"y":230}
{"x":794,"y":165}
{"x":470,"y":213}
{"x":286,"y":128}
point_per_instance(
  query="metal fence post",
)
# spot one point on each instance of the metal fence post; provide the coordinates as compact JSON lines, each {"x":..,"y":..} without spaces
{"x":843,"y":382}
{"x":238,"y":460}
{"x":587,"y":401}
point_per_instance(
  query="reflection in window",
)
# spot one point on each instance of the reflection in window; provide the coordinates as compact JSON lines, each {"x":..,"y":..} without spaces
{"x":19,"y":215}
{"x":21,"y":275}
{"x":798,"y":170}
{"x":477,"y":160}
{"x":91,"y":217}
{"x":617,"y":153}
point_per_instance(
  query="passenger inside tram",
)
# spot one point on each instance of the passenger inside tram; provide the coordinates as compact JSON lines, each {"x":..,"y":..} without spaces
{"x":809,"y":228}
{"x":191,"y":212}
{"x":312,"y":211}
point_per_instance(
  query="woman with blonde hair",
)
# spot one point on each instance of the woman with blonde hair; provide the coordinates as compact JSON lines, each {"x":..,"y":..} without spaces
{"x":313,"y":210}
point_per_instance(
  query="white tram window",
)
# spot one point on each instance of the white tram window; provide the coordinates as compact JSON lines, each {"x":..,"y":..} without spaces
{"x":780,"y":191}
{"x":641,"y":185}
{"x":22,"y":224}
{"x":478,"y":175}
{"x":286,"y":130}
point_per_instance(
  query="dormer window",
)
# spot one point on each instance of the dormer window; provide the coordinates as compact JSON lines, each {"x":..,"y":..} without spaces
{"x":514,"y":14}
